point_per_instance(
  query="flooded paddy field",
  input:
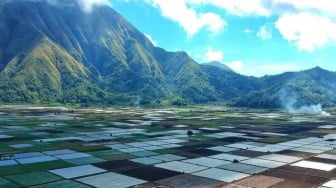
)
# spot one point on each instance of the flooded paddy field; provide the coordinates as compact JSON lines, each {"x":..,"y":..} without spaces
{"x":175,"y":147}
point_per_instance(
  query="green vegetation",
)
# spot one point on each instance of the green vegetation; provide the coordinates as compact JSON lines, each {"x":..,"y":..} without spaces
{"x":33,"y":178}
{"x":65,"y":56}
{"x":310,"y":87}
{"x":135,"y":133}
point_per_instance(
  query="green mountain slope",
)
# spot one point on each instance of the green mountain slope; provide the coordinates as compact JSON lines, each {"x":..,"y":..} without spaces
{"x":60,"y":54}
{"x":46,"y":73}
{"x":228,"y":84}
{"x":98,"y":49}
{"x":310,"y":87}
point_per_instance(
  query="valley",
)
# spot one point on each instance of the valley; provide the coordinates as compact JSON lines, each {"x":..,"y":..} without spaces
{"x":101,"y":105}
{"x":138,"y":147}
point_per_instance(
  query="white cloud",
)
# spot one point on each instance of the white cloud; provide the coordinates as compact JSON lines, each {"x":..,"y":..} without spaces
{"x":270,"y":7}
{"x":265,"y":32}
{"x":213,"y":55}
{"x":87,"y":5}
{"x":237,"y":65}
{"x":213,"y":22}
{"x":150,"y":38}
{"x":306,"y":30}
{"x":267,"y":7}
{"x":308,"y":23}
{"x":218,"y":55}
{"x":236,"y":7}
{"x":318,"y":6}
{"x":279,"y":68}
{"x":254,"y":69}
{"x":198,"y":56}
{"x":247,"y":31}
{"x":52,"y":2}
{"x":189,"y":19}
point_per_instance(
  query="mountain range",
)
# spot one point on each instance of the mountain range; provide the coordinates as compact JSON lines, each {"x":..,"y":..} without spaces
{"x":61,"y":54}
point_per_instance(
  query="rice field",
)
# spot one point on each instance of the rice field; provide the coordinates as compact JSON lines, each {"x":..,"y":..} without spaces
{"x":202,"y":146}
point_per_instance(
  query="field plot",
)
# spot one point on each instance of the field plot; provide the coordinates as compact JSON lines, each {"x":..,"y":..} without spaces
{"x":152,"y":148}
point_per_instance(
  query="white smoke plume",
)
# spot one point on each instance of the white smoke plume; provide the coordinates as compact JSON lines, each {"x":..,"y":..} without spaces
{"x":137,"y":101}
{"x":289,"y":102}
{"x":311,"y":109}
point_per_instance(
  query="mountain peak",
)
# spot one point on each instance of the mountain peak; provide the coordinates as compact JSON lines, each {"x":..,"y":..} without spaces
{"x":316,"y":70}
{"x":97,"y":58}
{"x":218,"y":64}
{"x":50,"y":54}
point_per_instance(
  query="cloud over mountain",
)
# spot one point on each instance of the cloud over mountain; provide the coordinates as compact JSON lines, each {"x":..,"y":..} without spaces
{"x":61,"y":54}
{"x":85,"y":5}
{"x":187,"y":17}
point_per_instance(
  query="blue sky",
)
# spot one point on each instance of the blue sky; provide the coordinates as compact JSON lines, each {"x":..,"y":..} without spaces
{"x":253,"y":37}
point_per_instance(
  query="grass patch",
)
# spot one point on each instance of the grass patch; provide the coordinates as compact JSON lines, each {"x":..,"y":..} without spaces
{"x":33,"y":178}
{"x":39,"y":148}
{"x":7,"y":184}
{"x":16,"y":169}
{"x":200,"y":123}
{"x":156,"y":128}
{"x":274,"y":139}
{"x":167,"y":151}
{"x":5,"y":149}
{"x":139,"y":137}
{"x":117,"y":157}
{"x":104,"y":152}
{"x":63,"y":184}
{"x":46,"y":165}
{"x":85,"y":160}
{"x":82,"y":148}
{"x":201,"y":136}
{"x":29,"y":123}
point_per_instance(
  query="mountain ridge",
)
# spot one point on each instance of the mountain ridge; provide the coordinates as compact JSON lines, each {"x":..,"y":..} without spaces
{"x":52,"y":54}
{"x":218,"y":64}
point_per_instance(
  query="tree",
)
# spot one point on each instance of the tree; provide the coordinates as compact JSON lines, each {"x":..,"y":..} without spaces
{"x":189,"y":133}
